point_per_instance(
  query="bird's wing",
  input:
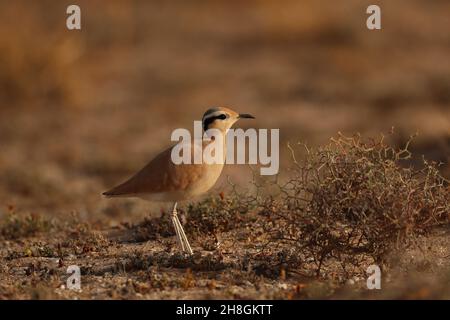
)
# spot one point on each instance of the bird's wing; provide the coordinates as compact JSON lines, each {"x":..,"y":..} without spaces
{"x":160,"y":175}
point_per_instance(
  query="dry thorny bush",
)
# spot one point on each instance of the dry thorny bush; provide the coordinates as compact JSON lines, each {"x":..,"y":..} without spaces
{"x":353,"y":201}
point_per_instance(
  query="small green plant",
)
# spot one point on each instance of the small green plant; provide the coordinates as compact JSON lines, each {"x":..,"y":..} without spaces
{"x":217,"y":214}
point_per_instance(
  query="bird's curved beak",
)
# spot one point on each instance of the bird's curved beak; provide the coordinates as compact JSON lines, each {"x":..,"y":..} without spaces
{"x":245,"y":116}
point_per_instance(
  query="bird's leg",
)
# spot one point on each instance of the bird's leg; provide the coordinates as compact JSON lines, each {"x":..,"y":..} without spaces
{"x":186,"y":247}
{"x":184,"y":238}
{"x":176,"y":227}
{"x":181,"y":236}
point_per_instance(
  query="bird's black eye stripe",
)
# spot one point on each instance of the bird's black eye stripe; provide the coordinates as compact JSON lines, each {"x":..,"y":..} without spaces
{"x":208,"y":121}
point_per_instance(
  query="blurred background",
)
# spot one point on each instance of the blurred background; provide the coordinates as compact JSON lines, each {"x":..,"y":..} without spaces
{"x":82,"y":110}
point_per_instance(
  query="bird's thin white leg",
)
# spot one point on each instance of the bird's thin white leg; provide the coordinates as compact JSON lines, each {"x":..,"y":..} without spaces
{"x":186,"y":247}
{"x":177,"y":232}
{"x":184,"y":238}
{"x":177,"y":228}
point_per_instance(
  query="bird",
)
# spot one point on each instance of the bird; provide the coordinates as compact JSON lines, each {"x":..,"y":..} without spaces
{"x":163,"y":180}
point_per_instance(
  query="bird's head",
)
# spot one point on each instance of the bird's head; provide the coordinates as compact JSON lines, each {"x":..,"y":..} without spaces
{"x":222,"y":118}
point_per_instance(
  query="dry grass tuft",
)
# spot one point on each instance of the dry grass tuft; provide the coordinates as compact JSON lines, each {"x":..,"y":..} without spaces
{"x":208,"y":217}
{"x":14,"y":226}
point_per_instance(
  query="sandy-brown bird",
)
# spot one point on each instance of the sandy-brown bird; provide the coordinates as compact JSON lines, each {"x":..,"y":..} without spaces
{"x":163,"y":180}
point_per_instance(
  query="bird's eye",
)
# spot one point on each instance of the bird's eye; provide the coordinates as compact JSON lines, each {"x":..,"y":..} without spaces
{"x":222,"y":117}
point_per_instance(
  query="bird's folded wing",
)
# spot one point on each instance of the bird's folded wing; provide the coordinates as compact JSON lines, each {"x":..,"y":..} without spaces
{"x":160,"y":175}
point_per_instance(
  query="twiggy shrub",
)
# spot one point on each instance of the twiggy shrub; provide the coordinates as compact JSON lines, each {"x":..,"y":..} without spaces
{"x":354,"y":199}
